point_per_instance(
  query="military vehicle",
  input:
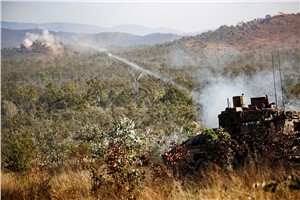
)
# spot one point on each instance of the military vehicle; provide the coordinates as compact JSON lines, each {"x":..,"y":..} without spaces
{"x":260,"y":113}
{"x":242,"y":122}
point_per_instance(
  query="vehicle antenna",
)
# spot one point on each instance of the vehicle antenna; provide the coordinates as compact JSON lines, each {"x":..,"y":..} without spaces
{"x":282,"y":95}
{"x":274,"y":79}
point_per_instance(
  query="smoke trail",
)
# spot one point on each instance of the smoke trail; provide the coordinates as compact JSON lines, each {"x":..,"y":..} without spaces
{"x":148,"y":72}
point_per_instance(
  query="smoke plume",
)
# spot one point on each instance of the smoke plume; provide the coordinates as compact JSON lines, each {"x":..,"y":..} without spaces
{"x":27,"y":43}
{"x":46,"y":39}
{"x":214,"y":96}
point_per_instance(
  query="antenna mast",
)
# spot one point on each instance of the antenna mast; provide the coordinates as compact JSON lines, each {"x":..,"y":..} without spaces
{"x":281,"y":81}
{"x":274,"y":79}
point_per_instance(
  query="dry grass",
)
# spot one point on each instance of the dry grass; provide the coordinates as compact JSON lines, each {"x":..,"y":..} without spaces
{"x":217,"y":184}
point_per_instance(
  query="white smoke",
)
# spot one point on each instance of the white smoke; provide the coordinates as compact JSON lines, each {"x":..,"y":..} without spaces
{"x":27,"y":43}
{"x":214,"y":96}
{"x":45,"y":39}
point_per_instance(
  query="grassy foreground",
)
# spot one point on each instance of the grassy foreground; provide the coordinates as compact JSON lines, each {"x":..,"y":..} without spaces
{"x":247,"y":183}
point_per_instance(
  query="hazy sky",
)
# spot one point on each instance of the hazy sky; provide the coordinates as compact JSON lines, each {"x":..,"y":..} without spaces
{"x":184,"y":16}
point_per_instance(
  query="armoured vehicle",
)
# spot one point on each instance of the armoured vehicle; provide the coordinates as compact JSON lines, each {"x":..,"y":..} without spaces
{"x":242,"y":122}
{"x":259,"y":114}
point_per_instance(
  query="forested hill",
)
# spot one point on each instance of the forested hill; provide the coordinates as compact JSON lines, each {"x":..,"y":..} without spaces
{"x":278,"y":32}
{"x":281,"y":29}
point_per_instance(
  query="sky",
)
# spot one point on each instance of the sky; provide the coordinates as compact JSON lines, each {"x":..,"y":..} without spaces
{"x":186,"y":16}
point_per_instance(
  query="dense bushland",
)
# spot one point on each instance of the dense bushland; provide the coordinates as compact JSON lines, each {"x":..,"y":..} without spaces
{"x":47,"y":101}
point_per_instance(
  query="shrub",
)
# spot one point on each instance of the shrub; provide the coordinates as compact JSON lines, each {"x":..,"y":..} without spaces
{"x":17,"y":151}
{"x":8,"y":108}
{"x":115,"y":159}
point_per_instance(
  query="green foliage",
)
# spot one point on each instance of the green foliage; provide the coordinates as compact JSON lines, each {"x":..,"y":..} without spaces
{"x":53,"y":142}
{"x":219,"y":146}
{"x":215,"y":136}
{"x":191,"y":129}
{"x":116,"y":158}
{"x":68,"y":96}
{"x":18,"y":150}
{"x":210,"y":135}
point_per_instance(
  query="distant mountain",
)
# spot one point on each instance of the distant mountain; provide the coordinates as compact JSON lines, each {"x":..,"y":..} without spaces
{"x":83,"y":28}
{"x":18,"y":26}
{"x":142,"y":30}
{"x":13,"y":38}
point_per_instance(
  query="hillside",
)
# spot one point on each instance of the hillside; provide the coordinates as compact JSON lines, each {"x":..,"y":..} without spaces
{"x":218,"y":47}
{"x":13,"y":38}
{"x":277,"y":30}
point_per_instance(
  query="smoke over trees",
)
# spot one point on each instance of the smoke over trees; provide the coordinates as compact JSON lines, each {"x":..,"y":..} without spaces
{"x":44,"y":39}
